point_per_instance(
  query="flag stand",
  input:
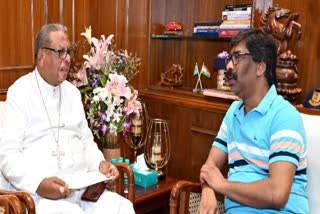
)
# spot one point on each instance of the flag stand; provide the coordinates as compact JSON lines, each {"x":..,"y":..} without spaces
{"x":205,"y":71}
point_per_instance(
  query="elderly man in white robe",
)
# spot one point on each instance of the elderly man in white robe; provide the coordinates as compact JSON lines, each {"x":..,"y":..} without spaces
{"x":46,"y":138}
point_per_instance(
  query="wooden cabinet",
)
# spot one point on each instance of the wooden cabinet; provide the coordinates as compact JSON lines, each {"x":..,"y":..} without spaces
{"x":194,"y":119}
{"x":185,"y":50}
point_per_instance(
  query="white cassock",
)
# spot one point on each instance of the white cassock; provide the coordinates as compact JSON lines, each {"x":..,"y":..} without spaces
{"x":28,"y":143}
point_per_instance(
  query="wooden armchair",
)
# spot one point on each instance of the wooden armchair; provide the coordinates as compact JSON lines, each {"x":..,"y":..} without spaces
{"x":125,"y":168}
{"x":17,"y":202}
{"x":10,"y":204}
{"x":185,"y":198}
{"x":186,"y":195}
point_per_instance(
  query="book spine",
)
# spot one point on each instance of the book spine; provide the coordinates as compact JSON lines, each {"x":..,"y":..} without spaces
{"x":228,"y":32}
{"x":237,"y":7}
{"x":237,"y":17}
{"x":236,"y":22}
{"x":228,"y":13}
{"x":239,"y":26}
{"x":205,"y":30}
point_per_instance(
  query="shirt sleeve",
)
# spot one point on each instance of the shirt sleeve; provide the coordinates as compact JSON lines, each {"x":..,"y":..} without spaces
{"x":14,"y":168}
{"x":287,"y":141}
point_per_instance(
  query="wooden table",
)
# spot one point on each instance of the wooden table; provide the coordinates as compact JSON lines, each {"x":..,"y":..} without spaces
{"x":155,"y":197}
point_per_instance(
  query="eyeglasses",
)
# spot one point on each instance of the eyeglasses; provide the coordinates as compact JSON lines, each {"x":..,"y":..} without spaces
{"x":235,"y":57}
{"x":62,"y":53}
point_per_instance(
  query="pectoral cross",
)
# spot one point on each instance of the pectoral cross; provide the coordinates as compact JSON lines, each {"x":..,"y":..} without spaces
{"x":57,"y":152}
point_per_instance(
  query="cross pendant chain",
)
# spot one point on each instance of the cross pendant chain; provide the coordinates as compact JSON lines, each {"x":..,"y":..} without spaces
{"x":58,"y":153}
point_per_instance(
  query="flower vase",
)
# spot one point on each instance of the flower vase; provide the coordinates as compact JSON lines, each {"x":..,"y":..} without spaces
{"x":111,"y":147}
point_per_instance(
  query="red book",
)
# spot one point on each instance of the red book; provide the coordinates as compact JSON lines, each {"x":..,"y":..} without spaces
{"x":228,"y":32}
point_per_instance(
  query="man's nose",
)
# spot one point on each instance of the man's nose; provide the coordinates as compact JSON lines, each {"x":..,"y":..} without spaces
{"x":68,"y":58}
{"x":229,"y":65}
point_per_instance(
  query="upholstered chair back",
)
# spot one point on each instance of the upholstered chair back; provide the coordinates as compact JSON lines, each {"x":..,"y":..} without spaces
{"x":3,"y":182}
{"x":311,"y":121}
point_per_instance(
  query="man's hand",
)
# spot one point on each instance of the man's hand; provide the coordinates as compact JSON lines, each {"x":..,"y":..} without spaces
{"x":109,"y":170}
{"x":212,"y":176}
{"x":53,"y":188}
{"x":208,"y":203}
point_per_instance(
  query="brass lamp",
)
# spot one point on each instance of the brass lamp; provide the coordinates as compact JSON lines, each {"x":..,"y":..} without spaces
{"x":157,"y":148}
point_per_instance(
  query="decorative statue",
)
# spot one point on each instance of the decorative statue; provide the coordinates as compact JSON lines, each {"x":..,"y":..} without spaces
{"x":173,"y":76}
{"x":281,"y":22}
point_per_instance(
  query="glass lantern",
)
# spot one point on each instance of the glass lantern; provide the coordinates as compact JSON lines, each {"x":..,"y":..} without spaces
{"x":135,"y":138}
{"x":157,"y":149}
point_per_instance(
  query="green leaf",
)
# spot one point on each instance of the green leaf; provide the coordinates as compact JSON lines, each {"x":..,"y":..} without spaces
{"x":85,"y":89}
{"x":103,"y":79}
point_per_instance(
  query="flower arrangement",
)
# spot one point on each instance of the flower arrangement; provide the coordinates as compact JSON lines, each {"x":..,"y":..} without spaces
{"x":104,"y":80}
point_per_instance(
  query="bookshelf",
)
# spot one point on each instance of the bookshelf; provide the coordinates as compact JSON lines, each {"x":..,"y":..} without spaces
{"x":194,"y":119}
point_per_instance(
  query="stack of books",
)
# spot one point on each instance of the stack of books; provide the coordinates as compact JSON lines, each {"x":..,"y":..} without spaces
{"x":235,"y":18}
{"x":206,"y":29}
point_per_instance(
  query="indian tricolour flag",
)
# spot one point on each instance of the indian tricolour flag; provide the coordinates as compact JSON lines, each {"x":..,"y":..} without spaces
{"x":195,"y":70}
{"x":205,"y":71}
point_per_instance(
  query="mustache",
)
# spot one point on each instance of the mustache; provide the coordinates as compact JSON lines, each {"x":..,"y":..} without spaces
{"x":230,"y":75}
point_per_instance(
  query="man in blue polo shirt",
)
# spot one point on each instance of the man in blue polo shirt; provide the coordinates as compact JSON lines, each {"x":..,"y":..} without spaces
{"x":261,"y":136}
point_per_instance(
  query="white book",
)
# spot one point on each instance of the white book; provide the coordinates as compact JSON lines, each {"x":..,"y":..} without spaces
{"x":235,"y":26}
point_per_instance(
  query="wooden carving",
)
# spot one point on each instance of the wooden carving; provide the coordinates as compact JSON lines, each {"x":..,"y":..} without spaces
{"x":281,"y":23}
{"x":173,"y":76}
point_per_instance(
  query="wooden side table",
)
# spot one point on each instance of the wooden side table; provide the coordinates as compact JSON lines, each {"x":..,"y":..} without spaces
{"x":154,"y":197}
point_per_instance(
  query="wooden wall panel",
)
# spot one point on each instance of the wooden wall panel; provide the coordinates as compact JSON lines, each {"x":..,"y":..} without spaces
{"x":18,"y":31}
{"x":128,"y":20}
{"x":16,"y":34}
{"x":16,"y":49}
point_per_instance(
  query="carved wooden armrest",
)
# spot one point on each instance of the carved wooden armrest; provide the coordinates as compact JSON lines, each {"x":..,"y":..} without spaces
{"x":24,"y":197}
{"x":125,"y":168}
{"x":11,"y":204}
{"x":186,"y":195}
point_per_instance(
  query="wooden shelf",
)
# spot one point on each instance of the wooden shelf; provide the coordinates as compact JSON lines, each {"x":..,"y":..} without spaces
{"x":186,"y":98}
{"x":191,"y":37}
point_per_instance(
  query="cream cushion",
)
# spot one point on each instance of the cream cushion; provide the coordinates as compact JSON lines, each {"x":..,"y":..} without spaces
{"x":2,"y":109}
{"x":311,"y":125}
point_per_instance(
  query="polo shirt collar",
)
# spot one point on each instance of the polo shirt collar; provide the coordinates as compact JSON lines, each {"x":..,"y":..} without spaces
{"x":265,"y":103}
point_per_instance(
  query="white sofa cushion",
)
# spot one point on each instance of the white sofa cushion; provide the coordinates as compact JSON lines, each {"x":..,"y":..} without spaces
{"x":311,"y":125}
{"x":2,"y":110}
{"x":3,"y":182}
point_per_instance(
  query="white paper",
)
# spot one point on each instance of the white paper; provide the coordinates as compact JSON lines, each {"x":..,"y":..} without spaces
{"x":81,"y":180}
{"x":141,"y":163}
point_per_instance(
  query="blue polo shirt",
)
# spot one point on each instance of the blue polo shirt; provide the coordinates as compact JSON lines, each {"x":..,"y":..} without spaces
{"x":273,"y":131}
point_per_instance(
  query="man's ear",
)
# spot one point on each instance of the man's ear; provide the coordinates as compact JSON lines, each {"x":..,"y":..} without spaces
{"x":261,"y":69}
{"x":40,"y":56}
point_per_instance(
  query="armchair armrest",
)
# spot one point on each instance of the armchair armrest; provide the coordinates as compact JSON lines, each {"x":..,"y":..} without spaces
{"x":10,"y":204}
{"x":25,"y":199}
{"x":125,"y":168}
{"x":185,"y":198}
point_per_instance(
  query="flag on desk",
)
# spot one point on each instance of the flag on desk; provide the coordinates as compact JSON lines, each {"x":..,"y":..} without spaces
{"x":205,"y":71}
{"x":196,"y":70}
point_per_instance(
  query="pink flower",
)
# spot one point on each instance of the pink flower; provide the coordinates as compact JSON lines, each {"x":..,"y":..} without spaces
{"x":133,"y":104}
{"x":116,"y":86}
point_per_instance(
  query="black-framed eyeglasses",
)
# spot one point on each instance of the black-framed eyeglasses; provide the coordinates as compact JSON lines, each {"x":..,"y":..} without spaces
{"x":62,"y":53}
{"x":235,"y":57}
